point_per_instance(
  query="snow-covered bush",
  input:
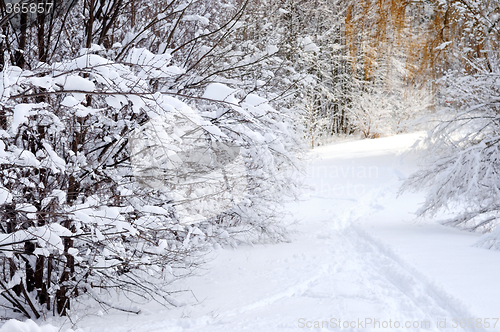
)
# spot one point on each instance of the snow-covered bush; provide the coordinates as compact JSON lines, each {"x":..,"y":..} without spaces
{"x":73,"y":218}
{"x":122,"y":162}
{"x":69,"y":196}
{"x":378,"y":110}
{"x":463,"y":154}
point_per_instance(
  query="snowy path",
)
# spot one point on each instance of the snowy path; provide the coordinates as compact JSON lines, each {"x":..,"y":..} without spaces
{"x":336,"y":271}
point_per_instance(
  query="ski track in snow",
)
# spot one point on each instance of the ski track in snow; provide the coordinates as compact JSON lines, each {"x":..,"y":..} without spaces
{"x":364,"y":280}
{"x":429,"y":298}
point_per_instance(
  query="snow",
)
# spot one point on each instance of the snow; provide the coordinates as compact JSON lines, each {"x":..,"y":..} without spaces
{"x":56,"y":162}
{"x":28,"y":326}
{"x":70,"y":101}
{"x":271,"y":49}
{"x":198,"y":18}
{"x":256,"y":104}
{"x":117,"y":101}
{"x":308,"y":44}
{"x":43,"y":82}
{"x":46,"y":236}
{"x":78,"y":83}
{"x":87,"y":61}
{"x":154,"y":209}
{"x":356,"y":255}
{"x":221,"y":92}
{"x":443,"y":45}
{"x":27,"y":158}
{"x":5,"y":196}
{"x":21,"y":113}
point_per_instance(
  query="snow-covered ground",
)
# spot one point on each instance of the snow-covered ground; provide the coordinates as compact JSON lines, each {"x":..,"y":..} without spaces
{"x":358,"y":260}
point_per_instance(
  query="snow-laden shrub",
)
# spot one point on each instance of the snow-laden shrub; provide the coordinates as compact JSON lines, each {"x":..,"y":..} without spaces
{"x":79,"y":217}
{"x":461,"y":173}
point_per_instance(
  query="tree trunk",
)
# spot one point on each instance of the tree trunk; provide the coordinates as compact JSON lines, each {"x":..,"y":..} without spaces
{"x":42,"y":52}
{"x":19,"y":56}
{"x":63,"y":300}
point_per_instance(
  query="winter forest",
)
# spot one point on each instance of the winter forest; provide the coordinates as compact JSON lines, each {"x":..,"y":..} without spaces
{"x":138,"y":137}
